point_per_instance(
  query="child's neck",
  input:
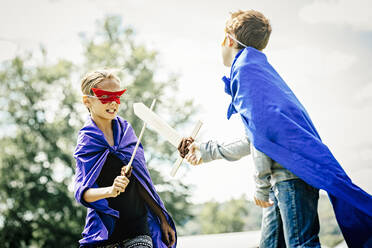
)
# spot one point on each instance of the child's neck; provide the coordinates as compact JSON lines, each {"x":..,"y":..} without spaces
{"x":103,"y":124}
{"x":234,"y":53}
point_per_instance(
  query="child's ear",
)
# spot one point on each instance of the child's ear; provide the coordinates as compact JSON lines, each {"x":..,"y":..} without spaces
{"x":86,"y":101}
{"x":230,"y":42}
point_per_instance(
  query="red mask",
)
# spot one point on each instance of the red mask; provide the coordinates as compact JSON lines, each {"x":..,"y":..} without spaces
{"x":108,"y":96}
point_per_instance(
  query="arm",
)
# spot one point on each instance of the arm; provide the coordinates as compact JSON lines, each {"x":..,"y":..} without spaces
{"x":233,"y":151}
{"x":168,"y":233}
{"x":95,"y":194}
{"x":212,"y":150}
{"x":152,"y":204}
{"x":262,"y":164}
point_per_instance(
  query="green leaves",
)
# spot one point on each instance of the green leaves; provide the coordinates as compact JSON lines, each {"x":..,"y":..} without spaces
{"x":226,"y":217}
{"x":37,"y":210}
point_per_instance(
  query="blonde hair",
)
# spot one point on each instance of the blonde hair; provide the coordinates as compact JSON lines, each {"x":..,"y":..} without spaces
{"x":92,"y":79}
{"x":250,"y":27}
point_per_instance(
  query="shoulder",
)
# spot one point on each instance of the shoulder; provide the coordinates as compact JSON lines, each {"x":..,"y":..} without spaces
{"x":249,"y":58}
{"x":121,"y":120}
{"x":251,"y":67}
{"x":89,"y":130}
{"x":89,"y":138}
{"x":124,"y":124}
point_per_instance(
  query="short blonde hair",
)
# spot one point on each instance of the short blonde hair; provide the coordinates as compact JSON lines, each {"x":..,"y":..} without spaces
{"x":250,"y":27}
{"x":92,"y":79}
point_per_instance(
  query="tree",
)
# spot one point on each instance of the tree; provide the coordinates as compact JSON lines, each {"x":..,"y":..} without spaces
{"x":224,"y":217}
{"x":36,"y":162}
{"x":330,"y":234}
{"x":40,"y":115}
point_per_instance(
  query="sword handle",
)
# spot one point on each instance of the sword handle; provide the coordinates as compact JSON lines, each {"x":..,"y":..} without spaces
{"x":179,"y":161}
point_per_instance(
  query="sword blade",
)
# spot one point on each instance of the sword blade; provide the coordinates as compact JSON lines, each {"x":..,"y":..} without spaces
{"x":138,"y":141}
{"x":156,"y":123}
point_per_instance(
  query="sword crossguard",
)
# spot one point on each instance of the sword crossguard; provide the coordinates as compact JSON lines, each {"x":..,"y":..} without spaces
{"x":179,"y":161}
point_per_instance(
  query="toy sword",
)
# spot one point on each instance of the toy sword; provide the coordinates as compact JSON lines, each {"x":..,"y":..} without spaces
{"x":127,"y":167}
{"x":162,"y":128}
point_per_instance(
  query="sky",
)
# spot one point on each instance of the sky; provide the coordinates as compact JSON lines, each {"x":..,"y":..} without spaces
{"x":322,"y":49}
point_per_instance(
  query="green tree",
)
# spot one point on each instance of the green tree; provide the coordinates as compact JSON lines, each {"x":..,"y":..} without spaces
{"x":224,"y":217}
{"x":41,"y":113}
{"x":330,"y":233}
{"x":36,"y":163}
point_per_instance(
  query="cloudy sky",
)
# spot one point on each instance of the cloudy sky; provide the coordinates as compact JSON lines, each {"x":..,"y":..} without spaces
{"x":322,"y":49}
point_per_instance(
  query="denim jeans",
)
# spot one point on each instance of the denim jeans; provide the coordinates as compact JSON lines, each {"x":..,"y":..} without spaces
{"x":293,"y":219}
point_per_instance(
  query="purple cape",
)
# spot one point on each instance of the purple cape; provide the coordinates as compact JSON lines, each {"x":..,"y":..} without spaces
{"x":90,"y":154}
{"x":278,"y":125}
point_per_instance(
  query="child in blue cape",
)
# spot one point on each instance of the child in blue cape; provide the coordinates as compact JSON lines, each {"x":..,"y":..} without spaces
{"x":291,"y":161}
{"x":122,"y":211}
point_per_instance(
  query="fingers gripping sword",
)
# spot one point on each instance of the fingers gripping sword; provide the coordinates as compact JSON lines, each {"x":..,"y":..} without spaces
{"x":162,"y":128}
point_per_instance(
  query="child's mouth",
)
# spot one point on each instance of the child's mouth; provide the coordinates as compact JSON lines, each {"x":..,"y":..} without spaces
{"x":111,"y":111}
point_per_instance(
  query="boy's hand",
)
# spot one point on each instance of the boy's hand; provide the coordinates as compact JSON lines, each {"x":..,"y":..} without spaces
{"x":119,"y":185}
{"x":183,"y":147}
{"x":190,"y":151}
{"x":263,"y":204}
{"x":168,"y":234}
{"x":194,"y":155}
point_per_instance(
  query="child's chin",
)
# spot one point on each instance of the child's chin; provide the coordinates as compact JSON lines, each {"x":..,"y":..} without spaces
{"x":111,"y":116}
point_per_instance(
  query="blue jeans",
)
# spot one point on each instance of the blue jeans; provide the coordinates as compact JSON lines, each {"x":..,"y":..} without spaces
{"x":293,"y":219}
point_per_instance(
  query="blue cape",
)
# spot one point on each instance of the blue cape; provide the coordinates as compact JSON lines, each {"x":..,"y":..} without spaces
{"x":90,"y":154}
{"x":279,"y":126}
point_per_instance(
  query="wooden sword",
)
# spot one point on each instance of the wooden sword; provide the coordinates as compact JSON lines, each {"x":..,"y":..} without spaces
{"x":127,"y":167}
{"x":162,"y":128}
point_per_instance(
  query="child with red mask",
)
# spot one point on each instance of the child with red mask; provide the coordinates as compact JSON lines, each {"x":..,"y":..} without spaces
{"x":122,"y":210}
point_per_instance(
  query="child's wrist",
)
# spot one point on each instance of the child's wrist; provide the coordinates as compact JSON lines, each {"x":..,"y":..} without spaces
{"x":261,"y":196}
{"x":162,"y":218}
{"x":109,"y":192}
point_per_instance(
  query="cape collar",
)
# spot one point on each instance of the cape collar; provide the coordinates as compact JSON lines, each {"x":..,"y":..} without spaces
{"x":227,"y":81}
